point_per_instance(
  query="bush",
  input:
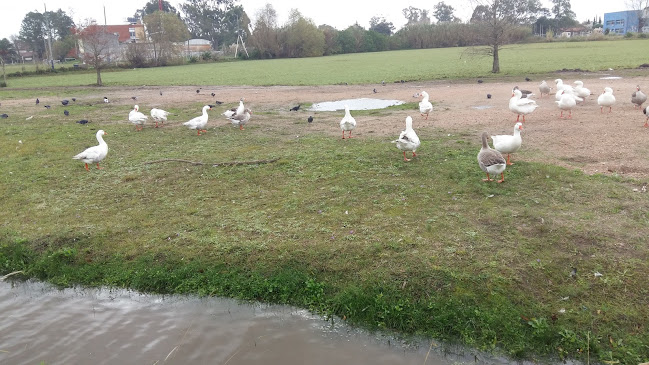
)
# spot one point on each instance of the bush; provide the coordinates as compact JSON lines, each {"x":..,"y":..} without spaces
{"x":193,"y":59}
{"x":628,"y":35}
{"x":206,"y":56}
{"x":643,"y":35}
{"x":3,"y":84}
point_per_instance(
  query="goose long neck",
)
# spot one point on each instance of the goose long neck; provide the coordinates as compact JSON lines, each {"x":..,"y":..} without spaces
{"x":100,"y":139}
{"x":484,"y":141}
{"x":408,"y":124}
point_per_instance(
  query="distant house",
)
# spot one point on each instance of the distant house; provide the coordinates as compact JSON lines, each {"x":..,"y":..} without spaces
{"x":575,"y":32}
{"x":128,"y":33}
{"x":196,"y":47}
{"x":621,"y":22}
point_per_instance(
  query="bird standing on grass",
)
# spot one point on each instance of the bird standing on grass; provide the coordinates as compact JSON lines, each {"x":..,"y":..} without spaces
{"x":295,"y":108}
{"x":199,"y":123}
{"x":137,"y":118}
{"x":234,"y":111}
{"x":66,"y":113}
{"x":509,"y":143}
{"x":94,"y":154}
{"x":159,"y":115}
{"x":491,"y":161}
{"x":348,"y":123}
{"x":65,"y":102}
{"x":408,"y":140}
{"x":241,"y":119}
{"x":567,"y":101}
{"x":310,"y":119}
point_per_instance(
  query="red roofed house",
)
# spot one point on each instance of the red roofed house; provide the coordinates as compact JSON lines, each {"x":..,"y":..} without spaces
{"x":128,"y":33}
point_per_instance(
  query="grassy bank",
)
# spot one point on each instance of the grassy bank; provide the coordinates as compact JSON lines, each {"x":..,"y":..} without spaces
{"x":361,"y":68}
{"x":342,"y":227}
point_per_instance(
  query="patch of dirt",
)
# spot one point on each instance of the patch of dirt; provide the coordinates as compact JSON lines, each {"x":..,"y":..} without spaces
{"x":595,"y":142}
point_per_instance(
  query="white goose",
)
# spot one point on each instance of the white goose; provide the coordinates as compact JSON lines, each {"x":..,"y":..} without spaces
{"x":347,"y":123}
{"x":199,"y":123}
{"x":509,"y":143}
{"x":581,"y":91}
{"x":241,"y":119}
{"x":96,"y":153}
{"x":520,"y":105}
{"x":425,"y":106}
{"x":159,"y":115}
{"x":235,"y":111}
{"x":606,"y":99}
{"x":137,"y":118}
{"x":567,"y":102}
{"x":491,"y":161}
{"x":544,"y":88}
{"x":408,"y":140}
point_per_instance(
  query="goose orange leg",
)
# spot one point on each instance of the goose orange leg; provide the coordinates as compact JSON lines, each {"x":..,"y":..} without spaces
{"x":502,"y":179}
{"x":487,"y":179}
{"x":509,"y":163}
{"x":349,"y":135}
{"x":404,"y":156}
{"x":87,"y":167}
{"x":240,"y":127}
{"x":99,"y":168}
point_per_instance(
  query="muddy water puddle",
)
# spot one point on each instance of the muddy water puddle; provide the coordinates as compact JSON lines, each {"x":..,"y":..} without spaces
{"x":42,"y":324}
{"x":354,"y":104}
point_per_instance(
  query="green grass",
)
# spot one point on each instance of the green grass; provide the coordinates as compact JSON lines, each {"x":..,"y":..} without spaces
{"x":409,"y":65}
{"x":341,"y":227}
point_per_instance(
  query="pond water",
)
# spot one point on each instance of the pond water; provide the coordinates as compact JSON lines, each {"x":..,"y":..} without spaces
{"x":482,"y":107}
{"x":42,"y":324}
{"x":610,"y":78}
{"x":354,"y":104}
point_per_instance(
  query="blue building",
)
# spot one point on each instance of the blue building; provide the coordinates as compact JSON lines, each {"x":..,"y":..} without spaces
{"x":621,"y":22}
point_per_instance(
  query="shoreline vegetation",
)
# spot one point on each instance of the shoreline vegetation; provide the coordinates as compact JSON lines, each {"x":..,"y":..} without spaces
{"x":550,"y":265}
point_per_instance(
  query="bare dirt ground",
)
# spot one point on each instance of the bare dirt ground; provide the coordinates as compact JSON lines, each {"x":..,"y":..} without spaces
{"x":615,"y":143}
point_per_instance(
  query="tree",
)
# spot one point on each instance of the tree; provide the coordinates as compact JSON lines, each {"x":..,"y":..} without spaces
{"x":416,"y":15}
{"x":62,"y":47}
{"x":381,"y":26}
{"x":97,"y":45}
{"x":498,"y":20}
{"x":164,"y":29}
{"x":265,"y":34}
{"x":37,"y":27}
{"x":641,"y":7}
{"x":7,"y":53}
{"x":444,"y":13}
{"x":331,"y":39}
{"x":205,"y":18}
{"x":303,"y":38}
{"x":152,"y":6}
{"x":563,"y":14}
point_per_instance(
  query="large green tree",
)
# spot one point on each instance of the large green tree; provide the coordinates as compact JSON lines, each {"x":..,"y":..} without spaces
{"x":37,"y":27}
{"x":498,"y":20}
{"x":381,"y":25}
{"x":444,"y":13}
{"x":303,"y":38}
{"x":152,"y":6}
{"x":164,"y":29}
{"x":265,"y":35}
{"x":563,"y":14}
{"x":207,"y":19}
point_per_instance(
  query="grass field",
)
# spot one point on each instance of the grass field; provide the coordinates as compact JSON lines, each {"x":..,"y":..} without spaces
{"x":427,"y":64}
{"x":342,"y":227}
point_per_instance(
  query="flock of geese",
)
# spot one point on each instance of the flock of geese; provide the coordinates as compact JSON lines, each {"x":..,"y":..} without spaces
{"x":490,"y":160}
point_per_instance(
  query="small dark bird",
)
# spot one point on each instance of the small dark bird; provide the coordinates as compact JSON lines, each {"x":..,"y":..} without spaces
{"x":310,"y":119}
{"x":528,"y":79}
{"x":198,"y":91}
{"x":218,"y":102}
{"x":64,"y":102}
{"x":488,"y":96}
{"x":402,"y":81}
{"x":66,"y":113}
{"x":37,"y":101}
{"x":4,"y":116}
{"x":47,"y":106}
{"x":375,"y":91}
{"x":160,"y":92}
{"x":83,"y":121}
{"x":105,"y":99}
{"x":480,"y":81}
{"x":134,"y":97}
{"x":74,"y":99}
{"x":573,"y":272}
{"x":383,"y":82}
{"x":295,"y":108}
{"x":213,"y":94}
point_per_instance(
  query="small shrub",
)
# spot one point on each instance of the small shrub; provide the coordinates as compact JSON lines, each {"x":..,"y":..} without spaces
{"x":628,"y":35}
{"x":3,"y":84}
{"x":206,"y":56}
{"x":643,"y":35}
{"x":193,"y":59}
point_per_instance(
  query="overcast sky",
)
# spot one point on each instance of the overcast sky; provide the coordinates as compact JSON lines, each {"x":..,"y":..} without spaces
{"x":337,"y":13}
